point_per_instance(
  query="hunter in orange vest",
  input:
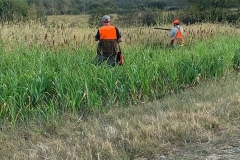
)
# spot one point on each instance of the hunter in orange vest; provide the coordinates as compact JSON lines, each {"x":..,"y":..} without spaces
{"x":108,"y":37}
{"x":176,"y":33}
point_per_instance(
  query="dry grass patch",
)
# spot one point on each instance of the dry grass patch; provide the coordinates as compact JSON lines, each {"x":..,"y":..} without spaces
{"x":62,"y":34}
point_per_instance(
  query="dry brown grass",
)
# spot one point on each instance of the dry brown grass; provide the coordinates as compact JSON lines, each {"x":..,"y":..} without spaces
{"x":200,"y":123}
{"x":62,"y":34}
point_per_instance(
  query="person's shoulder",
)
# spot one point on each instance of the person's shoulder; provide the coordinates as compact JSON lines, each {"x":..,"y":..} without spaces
{"x":101,"y":27}
{"x":116,"y":28}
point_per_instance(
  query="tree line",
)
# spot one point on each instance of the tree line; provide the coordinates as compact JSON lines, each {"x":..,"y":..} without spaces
{"x":51,"y":7}
{"x":146,"y":11}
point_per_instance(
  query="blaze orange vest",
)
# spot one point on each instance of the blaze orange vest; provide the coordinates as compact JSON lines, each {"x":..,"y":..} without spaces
{"x":108,"y":32}
{"x":179,"y":37}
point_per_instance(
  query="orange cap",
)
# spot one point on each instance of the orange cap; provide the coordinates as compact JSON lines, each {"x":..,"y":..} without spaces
{"x":176,"y":21}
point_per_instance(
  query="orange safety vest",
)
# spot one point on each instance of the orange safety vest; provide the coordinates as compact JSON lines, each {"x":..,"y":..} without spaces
{"x":179,"y":37}
{"x":108,"y":32}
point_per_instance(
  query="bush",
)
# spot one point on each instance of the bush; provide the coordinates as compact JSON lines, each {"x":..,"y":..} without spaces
{"x":12,"y":10}
{"x":210,"y":11}
{"x":148,"y":18}
{"x":236,"y":60}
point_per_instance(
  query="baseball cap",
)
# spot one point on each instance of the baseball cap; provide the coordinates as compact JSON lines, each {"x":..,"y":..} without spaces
{"x":106,"y":18}
{"x":176,"y":21}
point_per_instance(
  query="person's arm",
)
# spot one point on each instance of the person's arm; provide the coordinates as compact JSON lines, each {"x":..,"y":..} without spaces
{"x":97,"y":36}
{"x":181,"y":29}
{"x":172,"y":33}
{"x":119,"y":36}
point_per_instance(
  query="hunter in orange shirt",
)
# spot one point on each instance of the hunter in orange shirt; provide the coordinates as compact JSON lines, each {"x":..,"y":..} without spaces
{"x":176,"y":33}
{"x":108,"y":37}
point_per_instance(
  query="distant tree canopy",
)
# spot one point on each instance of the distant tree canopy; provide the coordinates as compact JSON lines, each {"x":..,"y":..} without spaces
{"x":155,"y":4}
{"x":206,"y":4}
{"x":51,"y":7}
{"x":211,"y":11}
{"x":13,"y":10}
{"x":32,"y":9}
{"x":145,"y":12}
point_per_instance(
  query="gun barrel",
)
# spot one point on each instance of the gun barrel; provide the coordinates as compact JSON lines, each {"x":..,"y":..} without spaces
{"x":162,"y":28}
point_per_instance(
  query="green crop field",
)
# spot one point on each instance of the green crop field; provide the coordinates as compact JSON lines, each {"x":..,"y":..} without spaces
{"x":50,"y":89}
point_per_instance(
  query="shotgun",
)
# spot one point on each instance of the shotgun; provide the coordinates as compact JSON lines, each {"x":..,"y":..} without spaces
{"x":166,"y":29}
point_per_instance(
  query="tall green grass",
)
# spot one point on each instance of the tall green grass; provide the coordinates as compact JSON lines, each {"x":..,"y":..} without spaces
{"x":45,"y":83}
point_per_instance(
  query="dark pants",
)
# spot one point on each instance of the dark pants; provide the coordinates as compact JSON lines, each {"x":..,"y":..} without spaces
{"x":111,"y":60}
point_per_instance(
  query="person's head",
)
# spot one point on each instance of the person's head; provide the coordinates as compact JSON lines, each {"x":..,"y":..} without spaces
{"x":176,"y":22}
{"x":106,"y":19}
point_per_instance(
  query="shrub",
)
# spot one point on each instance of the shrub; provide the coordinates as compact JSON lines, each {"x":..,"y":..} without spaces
{"x":11,"y":10}
{"x":236,"y":60}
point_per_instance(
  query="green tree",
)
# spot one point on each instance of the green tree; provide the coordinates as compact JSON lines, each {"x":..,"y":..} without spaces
{"x":210,"y":11}
{"x":36,"y":9}
{"x":155,"y":4}
{"x":11,"y":10}
{"x":205,"y":4}
{"x":50,"y":7}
